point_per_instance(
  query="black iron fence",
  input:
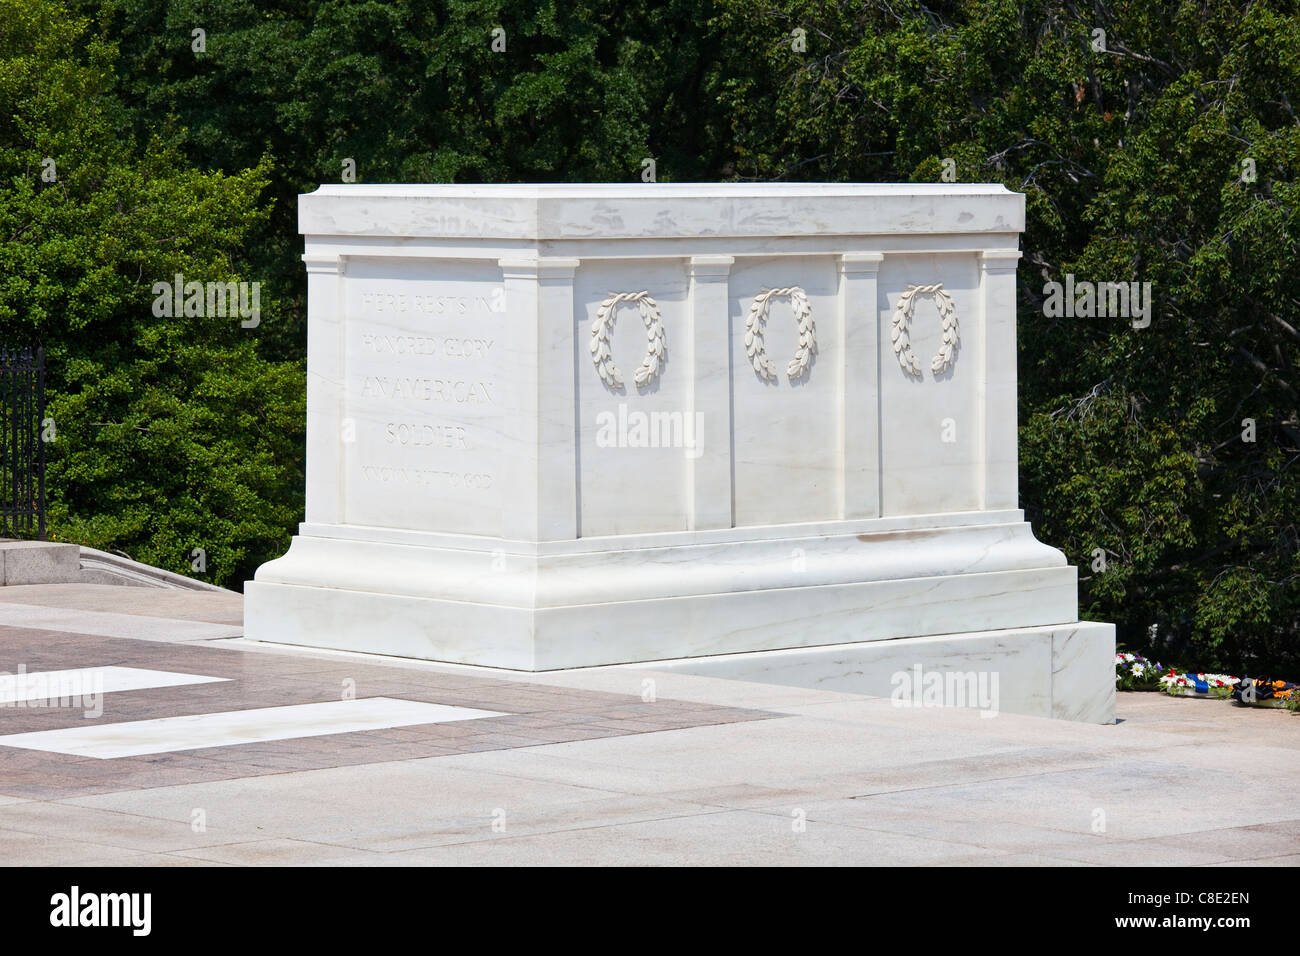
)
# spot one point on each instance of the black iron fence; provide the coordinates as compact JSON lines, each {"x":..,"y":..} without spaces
{"x":22,"y":452}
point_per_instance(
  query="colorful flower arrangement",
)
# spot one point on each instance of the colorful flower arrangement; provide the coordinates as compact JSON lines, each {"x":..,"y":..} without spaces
{"x":1266,"y":692}
{"x":1135,"y":672}
{"x":1218,"y":686}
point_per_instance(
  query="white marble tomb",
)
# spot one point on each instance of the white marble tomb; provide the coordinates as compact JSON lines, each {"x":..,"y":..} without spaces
{"x":759,"y":431}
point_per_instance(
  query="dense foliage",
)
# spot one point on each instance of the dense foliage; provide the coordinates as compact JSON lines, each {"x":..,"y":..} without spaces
{"x":170,"y":434}
{"x":1165,"y":150}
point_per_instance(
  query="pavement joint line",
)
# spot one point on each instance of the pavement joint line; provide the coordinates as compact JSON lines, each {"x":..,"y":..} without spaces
{"x":781,"y":812}
{"x":194,"y":853}
{"x":976,"y":783}
{"x":379,"y":764}
{"x":1213,"y":830}
{"x":83,"y":841}
{"x":506,"y":837}
{"x":14,"y":826}
{"x":1253,"y":859}
{"x":955,"y":840}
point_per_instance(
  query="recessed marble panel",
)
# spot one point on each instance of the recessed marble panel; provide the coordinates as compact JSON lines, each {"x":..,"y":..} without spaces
{"x":426,"y":395}
{"x":931,"y":423}
{"x":636,"y":441}
{"x":787,"y":438}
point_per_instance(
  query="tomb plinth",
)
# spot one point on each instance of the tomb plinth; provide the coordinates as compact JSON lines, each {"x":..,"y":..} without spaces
{"x":757,"y":431}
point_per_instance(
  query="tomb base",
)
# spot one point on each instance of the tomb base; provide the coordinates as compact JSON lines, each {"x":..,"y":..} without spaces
{"x":1063,"y":671}
{"x":842,"y":605}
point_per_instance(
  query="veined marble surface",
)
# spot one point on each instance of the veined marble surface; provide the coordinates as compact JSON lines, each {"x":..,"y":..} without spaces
{"x":660,"y":210}
{"x":578,"y":425}
{"x":1066,"y":672}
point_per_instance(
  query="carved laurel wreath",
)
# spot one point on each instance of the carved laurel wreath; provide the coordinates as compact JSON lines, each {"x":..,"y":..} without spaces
{"x":757,"y":322}
{"x":943,"y":359}
{"x":648,"y":370}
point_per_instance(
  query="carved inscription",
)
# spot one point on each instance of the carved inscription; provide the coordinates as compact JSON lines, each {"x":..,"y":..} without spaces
{"x":381,"y":302}
{"x":427,"y":434}
{"x":459,"y":392}
{"x":423,"y":370}
{"x":450,"y":347}
{"x":426,"y":476}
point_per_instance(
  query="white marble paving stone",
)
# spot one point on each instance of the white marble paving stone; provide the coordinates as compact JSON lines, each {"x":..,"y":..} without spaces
{"x":40,"y":685}
{"x":227,"y":728}
{"x":110,"y":624}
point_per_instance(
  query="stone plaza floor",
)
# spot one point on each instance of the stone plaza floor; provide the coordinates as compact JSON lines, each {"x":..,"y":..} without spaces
{"x":315,"y":758}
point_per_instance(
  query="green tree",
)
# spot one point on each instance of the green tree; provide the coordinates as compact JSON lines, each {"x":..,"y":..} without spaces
{"x":171,"y":433}
{"x":414,"y":92}
{"x":1156,"y":143}
{"x":1130,"y":147}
